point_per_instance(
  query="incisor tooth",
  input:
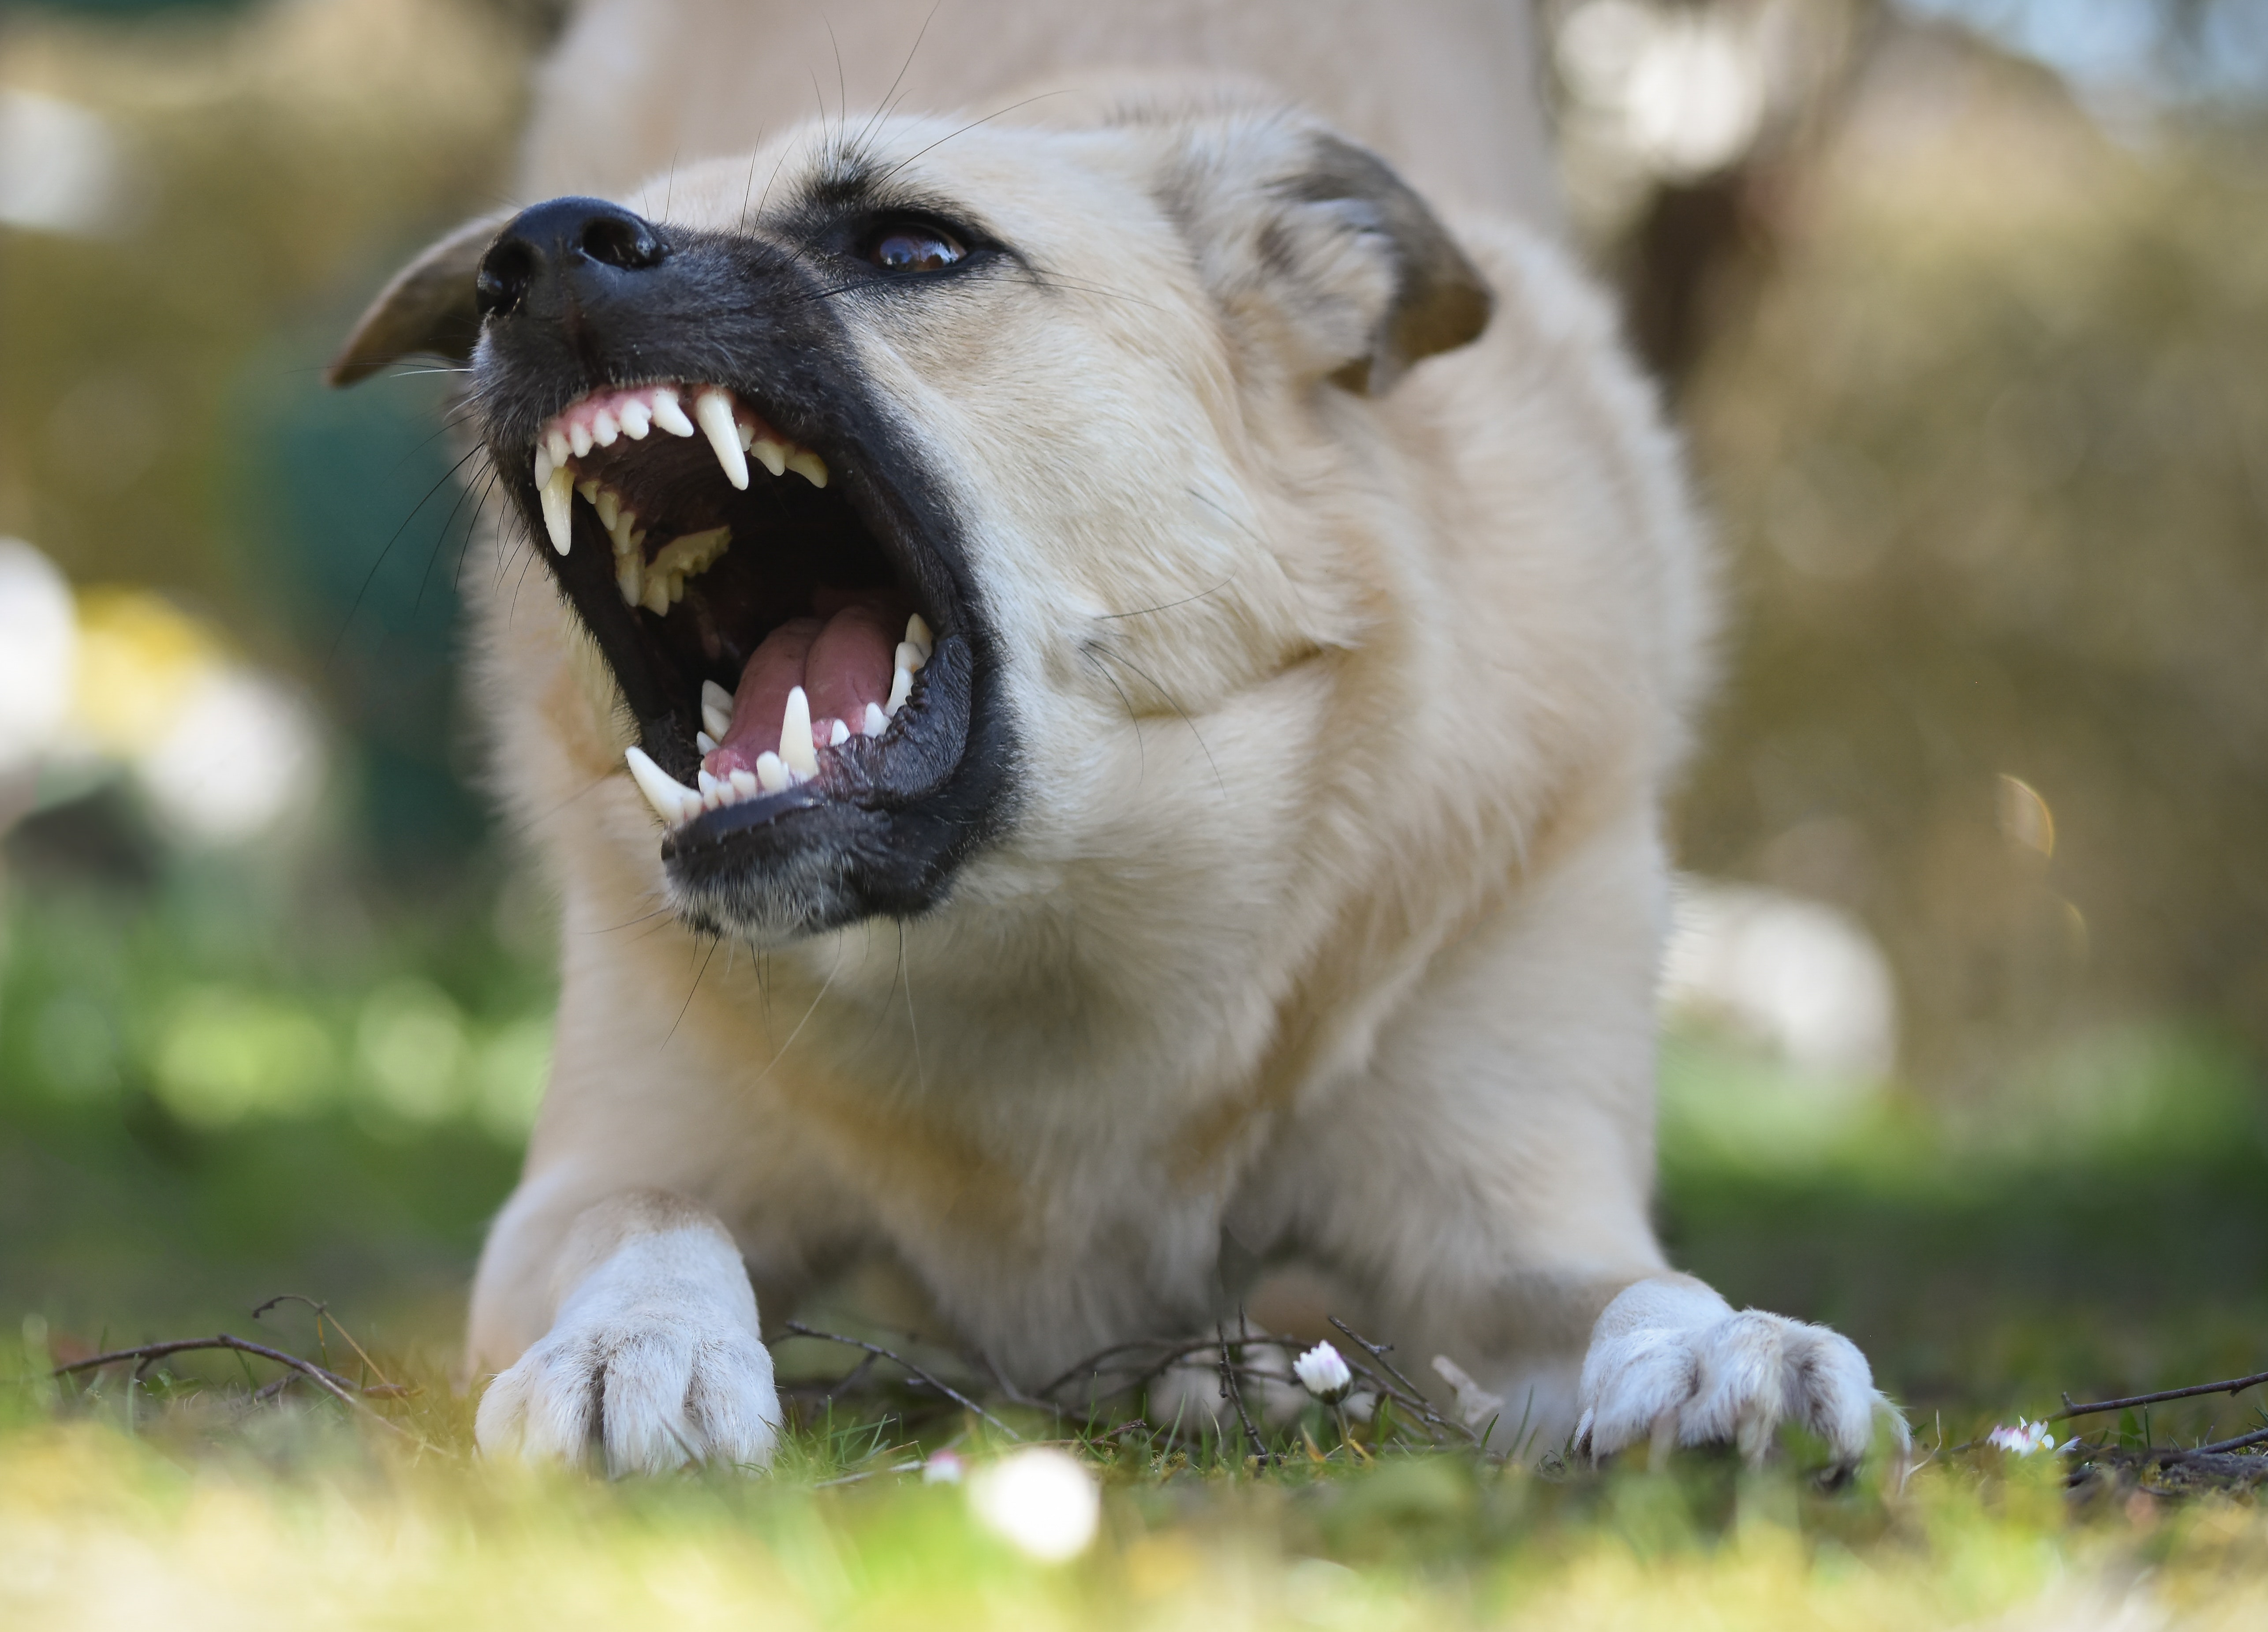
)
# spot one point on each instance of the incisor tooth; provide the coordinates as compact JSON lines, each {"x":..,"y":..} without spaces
{"x":910,"y":657}
{"x":715,"y":709}
{"x":578,"y":438}
{"x":745,"y":784}
{"x":902,"y":687}
{"x":712,"y":411}
{"x":770,"y":455}
{"x":712,"y":789}
{"x":917,"y":632}
{"x":876,"y":721}
{"x":668,"y":415}
{"x":796,"y":746}
{"x":672,"y":800}
{"x":637,"y":420}
{"x":809,"y":466}
{"x":558,"y":508}
{"x":605,"y":428}
{"x":837,"y":733}
{"x":555,"y":445}
{"x":772,"y":774}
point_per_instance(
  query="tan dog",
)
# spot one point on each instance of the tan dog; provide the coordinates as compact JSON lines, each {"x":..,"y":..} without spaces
{"x":1109,"y":696}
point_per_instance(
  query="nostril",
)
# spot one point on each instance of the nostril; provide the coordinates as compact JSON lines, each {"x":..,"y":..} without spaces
{"x":504,"y":273}
{"x":622,"y":240}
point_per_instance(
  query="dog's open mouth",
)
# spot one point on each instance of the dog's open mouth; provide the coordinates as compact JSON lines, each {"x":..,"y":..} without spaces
{"x":747,"y":578}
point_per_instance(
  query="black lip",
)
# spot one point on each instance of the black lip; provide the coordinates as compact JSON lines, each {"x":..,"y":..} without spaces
{"x":890,"y":820}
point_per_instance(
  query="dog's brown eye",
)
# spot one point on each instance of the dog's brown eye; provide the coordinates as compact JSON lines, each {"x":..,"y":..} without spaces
{"x":913,"y":249}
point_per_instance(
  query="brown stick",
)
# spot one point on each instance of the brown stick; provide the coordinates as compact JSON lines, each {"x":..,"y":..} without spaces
{"x":2233,"y":1386}
{"x":1235,"y":1391}
{"x":330,"y":1382}
{"x":797,"y":1328}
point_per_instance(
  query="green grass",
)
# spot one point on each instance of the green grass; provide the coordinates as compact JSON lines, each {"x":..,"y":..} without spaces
{"x":195,"y":1507}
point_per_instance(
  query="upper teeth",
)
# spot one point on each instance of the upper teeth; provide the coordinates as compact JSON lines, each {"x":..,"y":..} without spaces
{"x":602,"y":418}
{"x":796,"y":758}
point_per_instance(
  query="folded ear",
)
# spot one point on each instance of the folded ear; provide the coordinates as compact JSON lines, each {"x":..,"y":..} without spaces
{"x":426,"y":310}
{"x":1320,"y":245}
{"x":1436,"y":299}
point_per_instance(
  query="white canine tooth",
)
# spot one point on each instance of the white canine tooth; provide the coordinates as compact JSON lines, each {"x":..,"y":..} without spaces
{"x":542,"y":464}
{"x":838,"y":734}
{"x":637,"y":420}
{"x":706,"y":744}
{"x":796,"y":746}
{"x":902,"y":687}
{"x":772,"y":774}
{"x":712,"y":410}
{"x":558,"y":508}
{"x":809,"y":466}
{"x":713,"y":789}
{"x":578,"y":438}
{"x":672,"y":800}
{"x":655,"y":598}
{"x":555,"y":445}
{"x":605,"y":428}
{"x":918,"y":633}
{"x":876,"y":721}
{"x":715,"y":709}
{"x":608,"y":503}
{"x":668,"y":415}
{"x":745,"y":784}
{"x":630,"y":577}
{"x":910,"y":657}
{"x":770,"y":455}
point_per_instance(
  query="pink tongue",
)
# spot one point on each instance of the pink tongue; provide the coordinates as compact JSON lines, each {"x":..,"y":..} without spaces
{"x":842,"y":663}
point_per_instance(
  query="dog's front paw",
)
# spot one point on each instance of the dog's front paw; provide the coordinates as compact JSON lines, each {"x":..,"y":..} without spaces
{"x":656,"y":1360}
{"x":1671,"y":1362}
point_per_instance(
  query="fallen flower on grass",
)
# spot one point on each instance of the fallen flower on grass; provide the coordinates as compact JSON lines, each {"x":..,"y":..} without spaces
{"x":1042,"y":1501}
{"x":944,"y":1468}
{"x":1323,"y":1373}
{"x":2025,"y":1439}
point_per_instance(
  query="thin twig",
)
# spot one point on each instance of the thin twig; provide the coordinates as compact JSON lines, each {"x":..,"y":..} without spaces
{"x":1234,"y":1392}
{"x":798,"y":1329}
{"x":2233,"y":1386}
{"x":323,"y":1313}
{"x":338,"y":1386}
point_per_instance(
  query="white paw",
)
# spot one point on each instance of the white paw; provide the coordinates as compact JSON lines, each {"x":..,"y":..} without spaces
{"x":656,"y":1358}
{"x":1671,"y":1362}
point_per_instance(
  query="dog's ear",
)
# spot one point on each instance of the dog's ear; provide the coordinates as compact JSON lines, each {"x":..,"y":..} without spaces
{"x":427,"y":308}
{"x":1436,"y":299}
{"x":1354,"y":277}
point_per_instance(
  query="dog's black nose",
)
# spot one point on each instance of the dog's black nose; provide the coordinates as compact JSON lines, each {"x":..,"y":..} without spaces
{"x":587,"y":243}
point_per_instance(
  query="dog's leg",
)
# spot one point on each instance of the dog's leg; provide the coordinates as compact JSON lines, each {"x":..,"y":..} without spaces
{"x":1487,"y":1183}
{"x":650,"y":1349}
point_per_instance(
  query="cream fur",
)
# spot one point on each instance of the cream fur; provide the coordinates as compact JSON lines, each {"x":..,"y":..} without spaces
{"x":1331,"y":911}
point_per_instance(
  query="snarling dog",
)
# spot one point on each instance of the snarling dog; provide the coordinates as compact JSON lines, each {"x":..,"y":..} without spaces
{"x":1108,"y":693}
